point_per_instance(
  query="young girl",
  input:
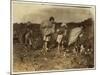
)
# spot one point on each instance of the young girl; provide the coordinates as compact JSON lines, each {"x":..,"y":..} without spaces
{"x":61,"y":35}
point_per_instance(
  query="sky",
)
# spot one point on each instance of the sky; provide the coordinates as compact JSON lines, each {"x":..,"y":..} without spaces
{"x":36,"y":12}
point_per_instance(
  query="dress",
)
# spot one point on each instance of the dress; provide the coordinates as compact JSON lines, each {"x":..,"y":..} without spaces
{"x":59,"y":38}
{"x":47,"y":29}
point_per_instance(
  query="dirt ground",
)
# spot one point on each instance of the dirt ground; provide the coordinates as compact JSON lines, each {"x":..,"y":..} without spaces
{"x":25,"y":59}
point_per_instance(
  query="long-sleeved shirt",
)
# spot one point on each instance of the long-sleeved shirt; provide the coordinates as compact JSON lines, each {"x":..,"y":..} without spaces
{"x":47,"y":28}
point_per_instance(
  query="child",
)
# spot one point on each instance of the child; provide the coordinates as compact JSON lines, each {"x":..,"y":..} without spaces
{"x":47,"y":29}
{"x":61,"y":36}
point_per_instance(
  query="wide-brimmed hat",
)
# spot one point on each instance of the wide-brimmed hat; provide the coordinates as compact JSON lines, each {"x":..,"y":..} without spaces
{"x":64,"y":25}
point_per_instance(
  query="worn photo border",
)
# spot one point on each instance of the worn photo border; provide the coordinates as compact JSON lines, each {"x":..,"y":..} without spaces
{"x":52,"y":4}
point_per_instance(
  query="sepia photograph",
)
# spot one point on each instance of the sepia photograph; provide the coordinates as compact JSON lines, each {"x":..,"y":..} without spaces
{"x":48,"y":37}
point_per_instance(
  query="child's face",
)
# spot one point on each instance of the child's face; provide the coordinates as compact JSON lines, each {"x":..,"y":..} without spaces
{"x":57,"y":30}
{"x":52,"y":21}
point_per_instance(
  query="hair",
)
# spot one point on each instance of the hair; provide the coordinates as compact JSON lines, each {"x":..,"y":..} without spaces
{"x":51,"y":18}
